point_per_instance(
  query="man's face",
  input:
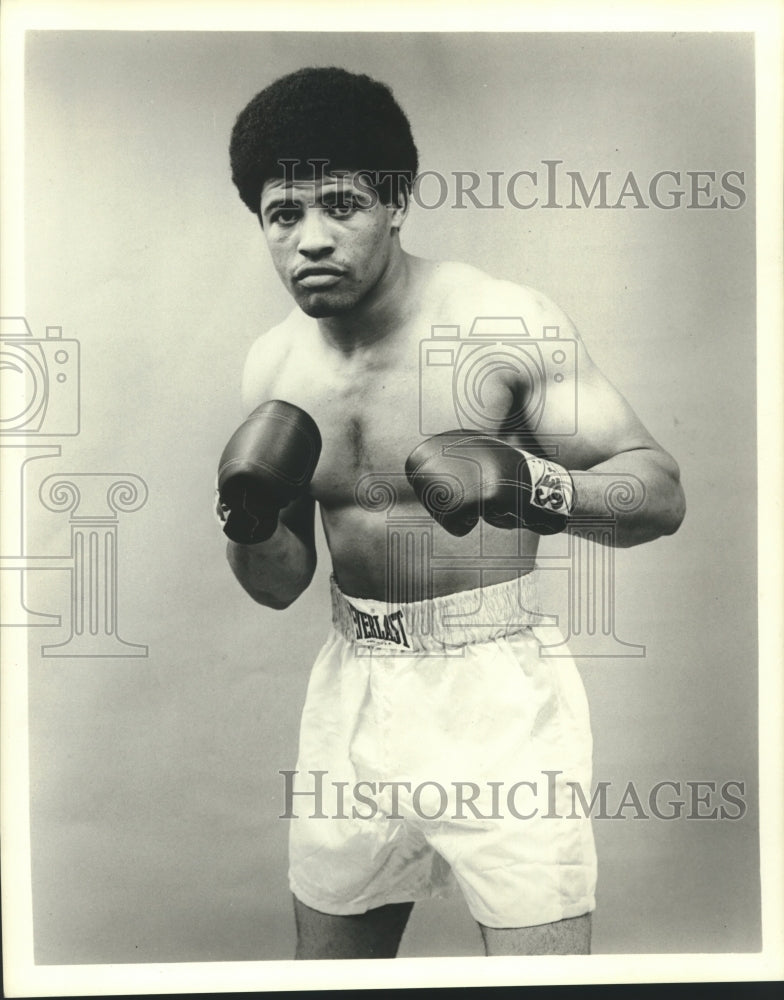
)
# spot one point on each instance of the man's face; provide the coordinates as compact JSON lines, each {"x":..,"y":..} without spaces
{"x":330,"y":240}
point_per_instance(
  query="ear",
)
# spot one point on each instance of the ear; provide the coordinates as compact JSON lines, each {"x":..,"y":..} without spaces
{"x":398,"y":209}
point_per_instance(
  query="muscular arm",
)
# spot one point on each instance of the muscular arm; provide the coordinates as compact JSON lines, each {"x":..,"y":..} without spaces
{"x":663,"y":505}
{"x":610,"y":445}
{"x":274,"y":572}
{"x":277,"y":571}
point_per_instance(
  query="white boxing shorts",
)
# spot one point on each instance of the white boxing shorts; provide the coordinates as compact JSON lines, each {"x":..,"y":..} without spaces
{"x":438,"y":747}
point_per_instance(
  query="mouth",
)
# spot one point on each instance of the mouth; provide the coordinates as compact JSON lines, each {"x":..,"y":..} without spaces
{"x":318,"y":276}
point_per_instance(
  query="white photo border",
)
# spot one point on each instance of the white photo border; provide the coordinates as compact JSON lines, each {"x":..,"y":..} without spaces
{"x":22,"y":976}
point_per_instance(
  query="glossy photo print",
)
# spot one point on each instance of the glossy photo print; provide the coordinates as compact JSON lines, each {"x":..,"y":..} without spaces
{"x":380,"y":541}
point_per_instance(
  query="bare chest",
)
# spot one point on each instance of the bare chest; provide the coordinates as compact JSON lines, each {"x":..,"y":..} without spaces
{"x":367,"y":416}
{"x":372,"y":412}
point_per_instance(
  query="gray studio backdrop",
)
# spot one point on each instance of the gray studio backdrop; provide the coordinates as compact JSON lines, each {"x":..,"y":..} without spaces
{"x":154,"y":757}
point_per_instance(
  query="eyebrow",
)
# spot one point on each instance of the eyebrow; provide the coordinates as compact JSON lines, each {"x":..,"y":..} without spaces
{"x":282,"y":202}
{"x":293,"y":200}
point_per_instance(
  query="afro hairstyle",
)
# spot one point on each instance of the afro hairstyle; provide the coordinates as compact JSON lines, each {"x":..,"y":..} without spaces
{"x":348,"y":120}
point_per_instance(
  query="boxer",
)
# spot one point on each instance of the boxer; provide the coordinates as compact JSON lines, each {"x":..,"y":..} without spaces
{"x":424,"y":676}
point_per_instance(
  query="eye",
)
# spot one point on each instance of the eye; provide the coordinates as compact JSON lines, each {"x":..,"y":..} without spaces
{"x":343,"y":208}
{"x":286,"y":216}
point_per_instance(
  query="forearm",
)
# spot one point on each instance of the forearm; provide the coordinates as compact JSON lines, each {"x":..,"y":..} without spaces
{"x":653,"y":506}
{"x":274,"y":572}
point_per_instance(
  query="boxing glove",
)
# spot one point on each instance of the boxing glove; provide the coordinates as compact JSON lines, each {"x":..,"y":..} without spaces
{"x":268,"y":462}
{"x":460,"y":476}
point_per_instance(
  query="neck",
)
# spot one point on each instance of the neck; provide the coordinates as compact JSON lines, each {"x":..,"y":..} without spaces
{"x":382,"y":312}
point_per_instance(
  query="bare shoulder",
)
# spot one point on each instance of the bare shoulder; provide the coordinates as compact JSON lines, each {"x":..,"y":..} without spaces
{"x":473,"y":292}
{"x":268,"y":357}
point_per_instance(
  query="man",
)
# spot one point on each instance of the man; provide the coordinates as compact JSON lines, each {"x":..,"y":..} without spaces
{"x":431,"y":678}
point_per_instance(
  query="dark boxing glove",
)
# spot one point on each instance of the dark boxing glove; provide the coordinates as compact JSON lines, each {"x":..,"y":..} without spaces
{"x":461,"y":476}
{"x":269,"y":461}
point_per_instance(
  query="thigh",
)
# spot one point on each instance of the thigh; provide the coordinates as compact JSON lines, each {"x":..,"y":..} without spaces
{"x":563,"y":937}
{"x":375,"y":934}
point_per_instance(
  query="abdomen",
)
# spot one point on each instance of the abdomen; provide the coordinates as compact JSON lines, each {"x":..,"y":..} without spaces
{"x":397,"y":552}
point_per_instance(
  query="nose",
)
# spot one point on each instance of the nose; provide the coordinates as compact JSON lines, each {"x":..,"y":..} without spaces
{"x":315,"y":237}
